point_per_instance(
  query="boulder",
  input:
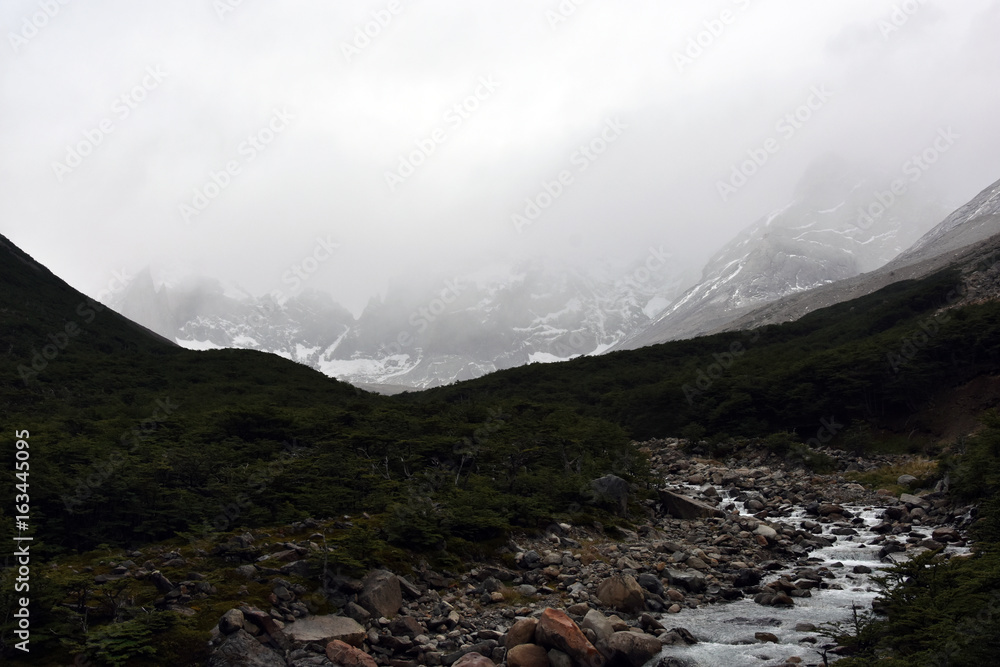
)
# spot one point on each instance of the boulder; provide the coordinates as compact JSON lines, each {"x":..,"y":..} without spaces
{"x":231,"y":621}
{"x":689,"y":580}
{"x":522,"y":632}
{"x":241,"y":650}
{"x":267,"y":625}
{"x":474,"y":659}
{"x":381,"y":594}
{"x":559,"y":659}
{"x":906,"y":480}
{"x":406,"y":626}
{"x":599,"y":623}
{"x":614,"y":490}
{"x":632,"y":649}
{"x":527,"y":655}
{"x":766,"y":637}
{"x":913,"y":500}
{"x":766,"y":531}
{"x":346,"y":655}
{"x":622,"y":593}
{"x":688,"y":509}
{"x":325,"y":629}
{"x":162,"y":584}
{"x":651,"y":583}
{"x":557,"y":630}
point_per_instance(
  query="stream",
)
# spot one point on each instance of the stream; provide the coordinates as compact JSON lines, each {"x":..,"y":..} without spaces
{"x":726,"y":631}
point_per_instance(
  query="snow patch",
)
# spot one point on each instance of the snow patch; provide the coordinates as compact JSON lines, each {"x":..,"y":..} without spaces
{"x":198,"y":345}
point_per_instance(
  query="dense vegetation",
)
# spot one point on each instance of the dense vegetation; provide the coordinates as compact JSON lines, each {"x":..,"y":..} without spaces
{"x":935,"y":612}
{"x":134,"y":440}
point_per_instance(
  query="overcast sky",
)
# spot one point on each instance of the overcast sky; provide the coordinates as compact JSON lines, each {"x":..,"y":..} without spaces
{"x":117,"y":114}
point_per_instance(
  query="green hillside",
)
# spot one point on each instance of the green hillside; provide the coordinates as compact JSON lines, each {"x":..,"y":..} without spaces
{"x":134,"y":439}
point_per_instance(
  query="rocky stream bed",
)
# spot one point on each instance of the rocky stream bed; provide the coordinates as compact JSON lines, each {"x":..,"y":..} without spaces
{"x":737,"y":563}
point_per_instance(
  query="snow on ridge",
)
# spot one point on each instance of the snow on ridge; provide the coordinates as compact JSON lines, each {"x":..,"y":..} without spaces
{"x":198,"y":345}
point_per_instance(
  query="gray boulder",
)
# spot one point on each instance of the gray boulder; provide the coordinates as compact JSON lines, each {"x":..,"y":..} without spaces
{"x":613,"y":490}
{"x":681,"y":507}
{"x":241,"y":650}
{"x":381,"y":594}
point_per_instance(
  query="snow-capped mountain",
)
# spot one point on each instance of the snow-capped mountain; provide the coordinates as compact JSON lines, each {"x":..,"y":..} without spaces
{"x":422,"y":334}
{"x":968,"y":238}
{"x":830,"y":231}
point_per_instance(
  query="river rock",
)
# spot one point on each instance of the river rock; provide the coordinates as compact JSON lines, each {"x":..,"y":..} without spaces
{"x":231,"y":621}
{"x":527,"y":655}
{"x":622,"y":593}
{"x":651,"y":583}
{"x":614,"y":490}
{"x":474,"y":659}
{"x":559,"y":659}
{"x":632,"y":648}
{"x":381,"y":594}
{"x":522,"y":632}
{"x":906,"y":480}
{"x":767,"y":637}
{"x":911,"y":499}
{"x":557,"y":630}
{"x":691,"y":581}
{"x":346,"y":655}
{"x":599,"y":623}
{"x":945,"y":534}
{"x":766,"y":531}
{"x":685,"y":508}
{"x":325,"y":629}
{"x":241,"y":650}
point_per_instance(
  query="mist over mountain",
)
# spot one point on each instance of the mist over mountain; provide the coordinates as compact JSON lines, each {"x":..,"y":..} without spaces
{"x":824,"y":235}
{"x":422,"y":332}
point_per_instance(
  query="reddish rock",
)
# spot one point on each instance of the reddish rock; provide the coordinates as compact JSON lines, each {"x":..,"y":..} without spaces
{"x":474,"y":660}
{"x":557,"y":630}
{"x":346,"y":655}
{"x":527,"y":655}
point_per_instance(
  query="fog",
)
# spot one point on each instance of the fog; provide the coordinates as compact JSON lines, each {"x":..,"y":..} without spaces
{"x":235,"y":139}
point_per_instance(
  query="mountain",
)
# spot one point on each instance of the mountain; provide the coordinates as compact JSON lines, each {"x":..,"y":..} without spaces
{"x":135,"y":441}
{"x":815,"y":240}
{"x":967,"y":238}
{"x":423,"y":332}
